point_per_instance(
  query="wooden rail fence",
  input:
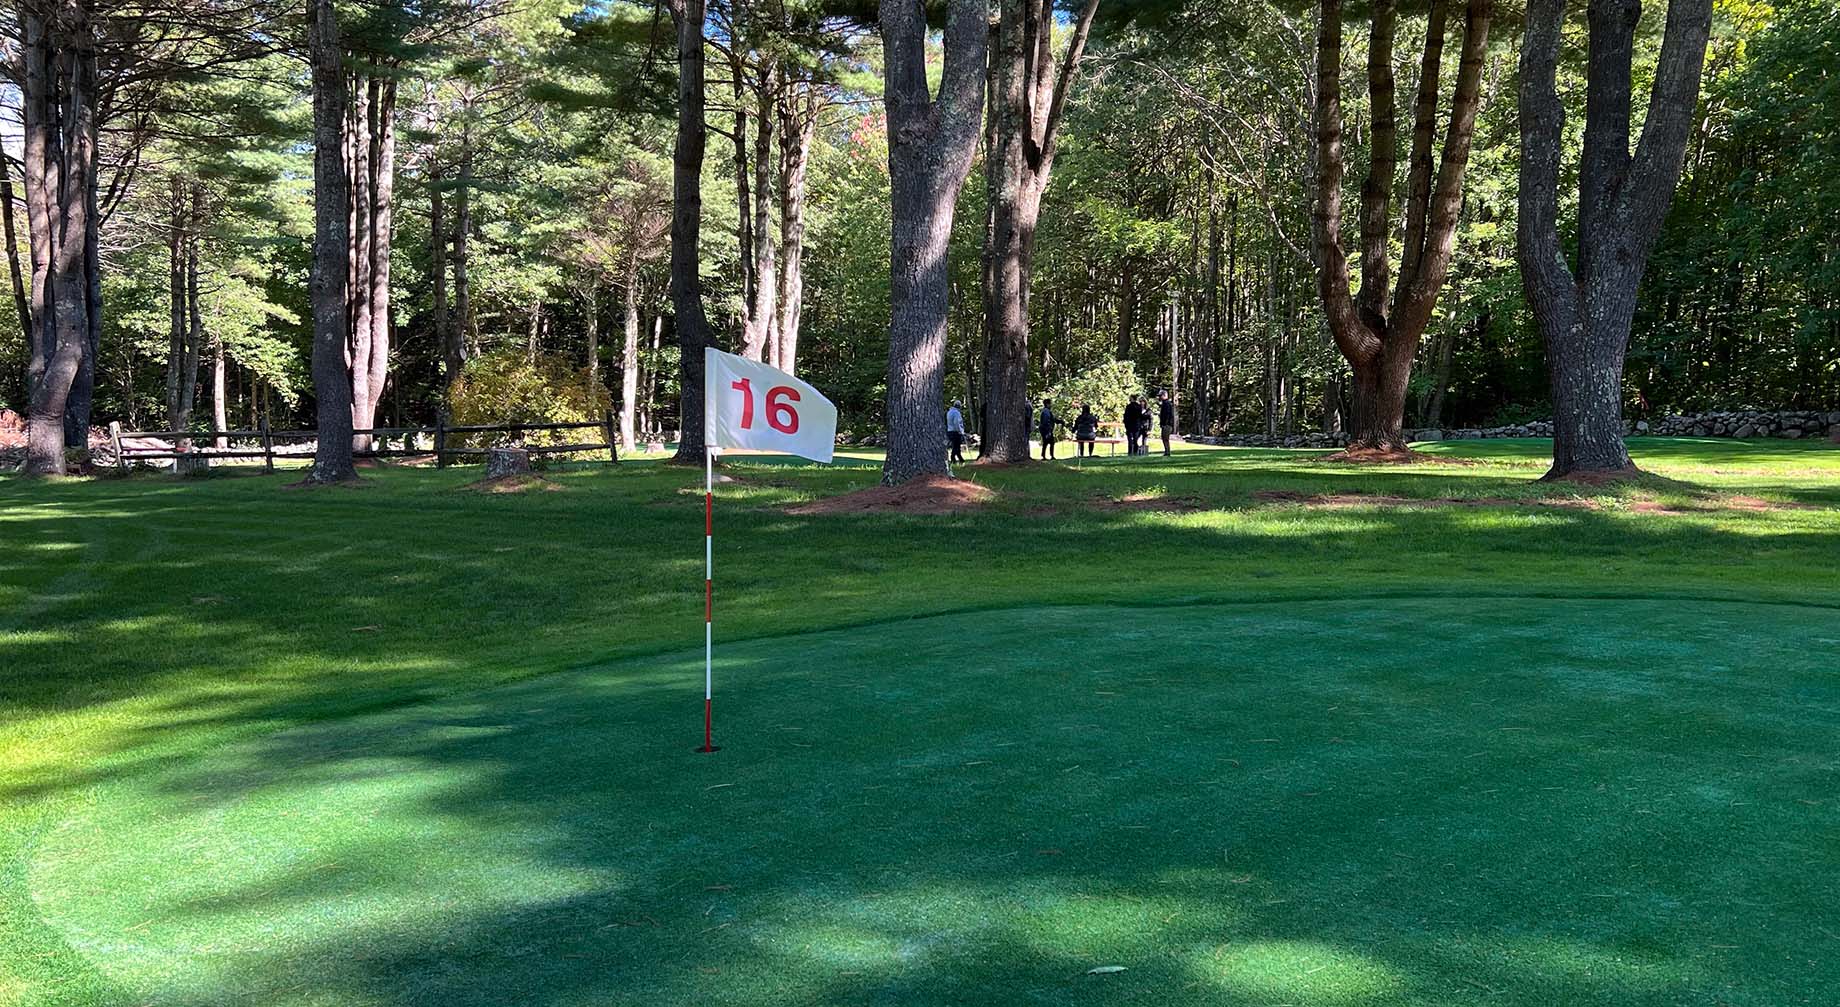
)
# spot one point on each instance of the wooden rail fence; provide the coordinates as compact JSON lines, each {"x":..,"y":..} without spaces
{"x":200,"y":445}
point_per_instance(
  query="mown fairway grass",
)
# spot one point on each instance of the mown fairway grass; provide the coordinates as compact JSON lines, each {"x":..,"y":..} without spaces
{"x":413,"y":744}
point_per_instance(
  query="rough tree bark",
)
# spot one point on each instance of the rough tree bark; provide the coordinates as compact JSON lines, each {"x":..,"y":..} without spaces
{"x":380,"y":188}
{"x":83,"y":386}
{"x":59,"y":61}
{"x":744,"y":198}
{"x":629,"y":352}
{"x":759,"y":340}
{"x":175,"y":340}
{"x":463,"y":333}
{"x":930,"y":145}
{"x":360,"y":94}
{"x":686,"y":226}
{"x":453,"y":348}
{"x":1585,"y":316}
{"x":1028,"y":91}
{"x":798,"y":119}
{"x":220,"y":406}
{"x":194,"y":332}
{"x":331,"y":247}
{"x":9,"y":233}
{"x":1379,"y":332}
{"x":38,"y":113}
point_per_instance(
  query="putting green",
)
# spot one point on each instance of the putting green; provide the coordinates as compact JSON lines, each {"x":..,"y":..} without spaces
{"x":1437,"y":801}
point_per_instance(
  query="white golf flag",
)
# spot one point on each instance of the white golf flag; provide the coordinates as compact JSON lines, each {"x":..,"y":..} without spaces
{"x":751,"y":405}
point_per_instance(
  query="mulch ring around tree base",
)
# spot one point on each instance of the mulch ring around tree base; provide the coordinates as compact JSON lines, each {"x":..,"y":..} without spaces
{"x":1146,"y":502}
{"x":1370,"y":456}
{"x":517,"y":482}
{"x":1707,"y":506}
{"x":931,"y":494}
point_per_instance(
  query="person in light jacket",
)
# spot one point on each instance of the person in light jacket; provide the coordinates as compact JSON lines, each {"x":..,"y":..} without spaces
{"x":955,"y":433}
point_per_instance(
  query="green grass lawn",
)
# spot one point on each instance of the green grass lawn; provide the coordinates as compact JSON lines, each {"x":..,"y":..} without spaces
{"x":410,"y":744}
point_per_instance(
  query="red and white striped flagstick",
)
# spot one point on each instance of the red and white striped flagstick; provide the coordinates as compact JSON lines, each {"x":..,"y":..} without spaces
{"x":709,"y":598}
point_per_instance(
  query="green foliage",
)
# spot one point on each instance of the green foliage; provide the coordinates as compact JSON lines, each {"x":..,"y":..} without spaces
{"x":1107,"y":388}
{"x":505,"y":387}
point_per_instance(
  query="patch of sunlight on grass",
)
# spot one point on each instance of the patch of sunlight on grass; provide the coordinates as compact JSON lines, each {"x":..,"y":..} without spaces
{"x":1301,"y":972}
{"x":1286,"y":523}
{"x":847,"y":947}
{"x":1598,"y":963}
{"x":36,"y":637}
{"x":1086,"y":923}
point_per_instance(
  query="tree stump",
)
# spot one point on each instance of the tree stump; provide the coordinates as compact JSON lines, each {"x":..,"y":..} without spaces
{"x":502,"y":462}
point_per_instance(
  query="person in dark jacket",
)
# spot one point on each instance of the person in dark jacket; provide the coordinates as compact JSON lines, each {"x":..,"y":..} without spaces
{"x":1166,"y":417}
{"x":1047,"y":422}
{"x":1133,"y":425}
{"x":1085,"y":431}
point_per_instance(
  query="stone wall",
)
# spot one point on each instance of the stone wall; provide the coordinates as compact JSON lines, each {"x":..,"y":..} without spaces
{"x":1788,"y":425}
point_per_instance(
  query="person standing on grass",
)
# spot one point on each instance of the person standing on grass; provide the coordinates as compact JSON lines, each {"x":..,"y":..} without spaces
{"x":955,"y":432}
{"x":1133,"y":419}
{"x":1048,"y":421}
{"x":1085,"y":431}
{"x":1165,"y":417}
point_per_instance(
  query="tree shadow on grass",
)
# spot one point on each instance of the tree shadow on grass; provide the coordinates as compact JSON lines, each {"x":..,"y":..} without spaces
{"x":1310,"y":803}
{"x":178,"y":627}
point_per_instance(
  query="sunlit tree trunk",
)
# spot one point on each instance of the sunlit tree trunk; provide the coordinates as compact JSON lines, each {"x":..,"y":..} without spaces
{"x":1379,"y":330}
{"x":1028,"y":89}
{"x":629,"y":353}
{"x":798,"y":119}
{"x":931,"y":143}
{"x":760,"y":341}
{"x":686,"y":226}
{"x":332,"y":458}
{"x":9,"y":233}
{"x":1584,"y":316}
{"x":60,"y":130}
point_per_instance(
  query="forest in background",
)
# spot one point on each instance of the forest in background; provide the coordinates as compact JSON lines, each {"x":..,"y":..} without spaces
{"x":509,"y":239}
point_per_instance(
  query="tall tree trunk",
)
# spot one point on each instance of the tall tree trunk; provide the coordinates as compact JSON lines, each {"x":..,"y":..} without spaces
{"x":798,"y":119}
{"x":83,"y":388}
{"x":649,"y":402}
{"x":1028,"y":94}
{"x":70,"y":44}
{"x":359,"y":176}
{"x":931,"y":144}
{"x":465,"y":332}
{"x":1205,"y":338}
{"x":453,"y":348}
{"x":380,"y":187}
{"x":42,"y":171}
{"x":176,"y":317}
{"x":194,"y":332}
{"x":11,"y":237}
{"x":629,"y":353}
{"x":220,"y":405}
{"x":744,"y":189}
{"x":686,"y":226}
{"x":760,"y":337}
{"x":1378,"y":332}
{"x":1585,"y":316}
{"x":331,"y":246}
{"x":591,"y":318}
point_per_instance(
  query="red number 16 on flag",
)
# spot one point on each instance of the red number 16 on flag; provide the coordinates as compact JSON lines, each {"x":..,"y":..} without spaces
{"x":781,"y":415}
